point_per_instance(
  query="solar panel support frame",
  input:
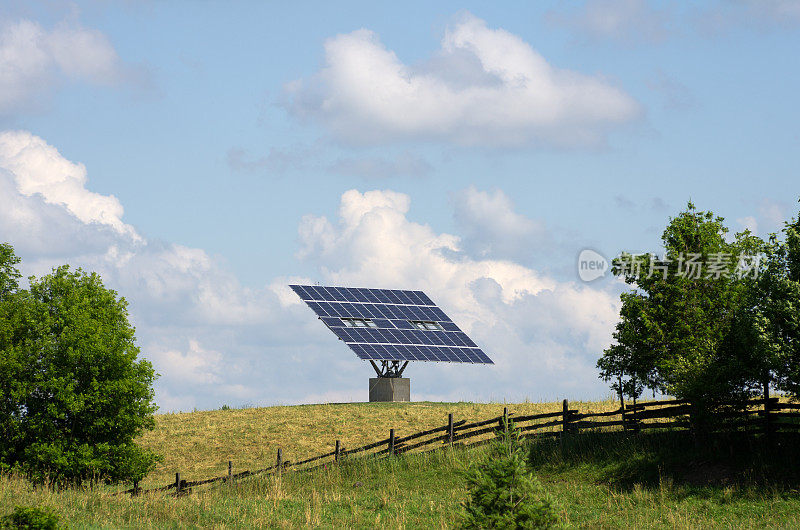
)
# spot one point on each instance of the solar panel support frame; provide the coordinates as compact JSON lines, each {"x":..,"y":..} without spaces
{"x":389,"y":368}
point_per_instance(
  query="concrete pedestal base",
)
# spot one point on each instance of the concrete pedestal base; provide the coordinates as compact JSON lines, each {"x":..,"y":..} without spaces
{"x":389,"y":389}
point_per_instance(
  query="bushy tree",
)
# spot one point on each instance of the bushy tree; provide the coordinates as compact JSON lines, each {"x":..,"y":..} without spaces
{"x":713,"y":338}
{"x":687,"y":331}
{"x":777,"y":314}
{"x":502,"y":491}
{"x":75,"y":394}
{"x":788,"y":366}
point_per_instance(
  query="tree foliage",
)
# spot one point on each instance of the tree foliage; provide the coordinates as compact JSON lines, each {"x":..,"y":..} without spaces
{"x":777,"y":299}
{"x":713,"y":337}
{"x":502,"y":491}
{"x":9,"y":275}
{"x":74,"y":393}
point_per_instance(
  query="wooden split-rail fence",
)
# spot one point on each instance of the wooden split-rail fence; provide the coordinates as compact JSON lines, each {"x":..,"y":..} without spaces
{"x":765,"y":416}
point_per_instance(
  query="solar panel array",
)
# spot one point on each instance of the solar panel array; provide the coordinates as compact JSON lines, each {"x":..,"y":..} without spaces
{"x":390,"y":325}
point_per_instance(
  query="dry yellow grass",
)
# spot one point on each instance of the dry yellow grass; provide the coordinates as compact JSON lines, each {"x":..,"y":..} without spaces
{"x":199,"y":444}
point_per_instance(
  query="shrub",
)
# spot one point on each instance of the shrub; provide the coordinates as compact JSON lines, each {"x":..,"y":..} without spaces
{"x":502,"y":491}
{"x":31,"y":518}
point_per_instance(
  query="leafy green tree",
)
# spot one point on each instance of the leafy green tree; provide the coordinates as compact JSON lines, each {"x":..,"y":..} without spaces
{"x":502,"y":491}
{"x":788,"y":371}
{"x":14,"y":312}
{"x":777,"y":314}
{"x":75,"y":394}
{"x":687,"y":331}
{"x":627,"y":364}
{"x":9,"y":274}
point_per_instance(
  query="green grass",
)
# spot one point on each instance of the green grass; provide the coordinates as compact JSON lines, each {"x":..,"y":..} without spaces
{"x":605,"y":480}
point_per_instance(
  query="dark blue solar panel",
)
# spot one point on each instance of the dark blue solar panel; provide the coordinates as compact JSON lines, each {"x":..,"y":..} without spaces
{"x":378,"y":324}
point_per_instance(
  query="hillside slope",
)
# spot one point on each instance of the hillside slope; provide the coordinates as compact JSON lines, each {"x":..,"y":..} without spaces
{"x":199,"y":444}
{"x":601,"y":480}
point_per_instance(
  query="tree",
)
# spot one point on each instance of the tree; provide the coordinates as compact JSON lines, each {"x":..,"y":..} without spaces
{"x":777,"y":318}
{"x":9,"y":274}
{"x":14,"y":312}
{"x":75,"y":393}
{"x":685,"y":331}
{"x":788,"y":366}
{"x":502,"y":491}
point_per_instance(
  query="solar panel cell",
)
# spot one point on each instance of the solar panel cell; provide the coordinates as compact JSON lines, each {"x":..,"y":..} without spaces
{"x":380,"y":296}
{"x":424,"y":298}
{"x":439,"y":314}
{"x":447,"y":339}
{"x":348,"y":294}
{"x":415,"y":299}
{"x":358,"y":295}
{"x":408,"y":298}
{"x":301,"y":292}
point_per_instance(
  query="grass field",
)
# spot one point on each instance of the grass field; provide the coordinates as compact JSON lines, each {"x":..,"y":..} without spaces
{"x":199,"y":444}
{"x":605,"y":480}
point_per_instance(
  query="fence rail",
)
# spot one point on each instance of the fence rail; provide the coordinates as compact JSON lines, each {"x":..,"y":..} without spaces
{"x":761,"y":416}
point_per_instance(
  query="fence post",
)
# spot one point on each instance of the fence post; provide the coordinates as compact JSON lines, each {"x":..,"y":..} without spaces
{"x":391,"y":441}
{"x":767,"y":408}
{"x":337,"y":451}
{"x":135,"y":487}
{"x":505,"y":420}
{"x":177,"y":483}
{"x":230,"y":470}
{"x":280,"y":460}
{"x":564,"y":417}
{"x":450,"y":428}
{"x":622,"y":409}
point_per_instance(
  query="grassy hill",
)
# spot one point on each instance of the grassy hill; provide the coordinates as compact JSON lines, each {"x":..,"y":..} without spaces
{"x":607,"y":480}
{"x":199,"y":444}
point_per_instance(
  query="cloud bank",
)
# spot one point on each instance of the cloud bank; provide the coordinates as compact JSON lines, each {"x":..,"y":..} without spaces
{"x":483,"y":87}
{"x":215,"y":341}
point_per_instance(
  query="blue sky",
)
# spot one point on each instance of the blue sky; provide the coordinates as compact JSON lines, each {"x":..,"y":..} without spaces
{"x":201,"y":156}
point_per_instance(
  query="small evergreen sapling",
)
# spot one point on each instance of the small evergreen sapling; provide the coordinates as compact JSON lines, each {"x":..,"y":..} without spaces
{"x":502,"y":491}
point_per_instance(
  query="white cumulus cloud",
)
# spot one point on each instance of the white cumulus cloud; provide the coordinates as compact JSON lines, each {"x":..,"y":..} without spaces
{"x":34,"y":59}
{"x":216,"y":341}
{"x":483,"y":87}
{"x":39,"y":169}
{"x":491,"y":226}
